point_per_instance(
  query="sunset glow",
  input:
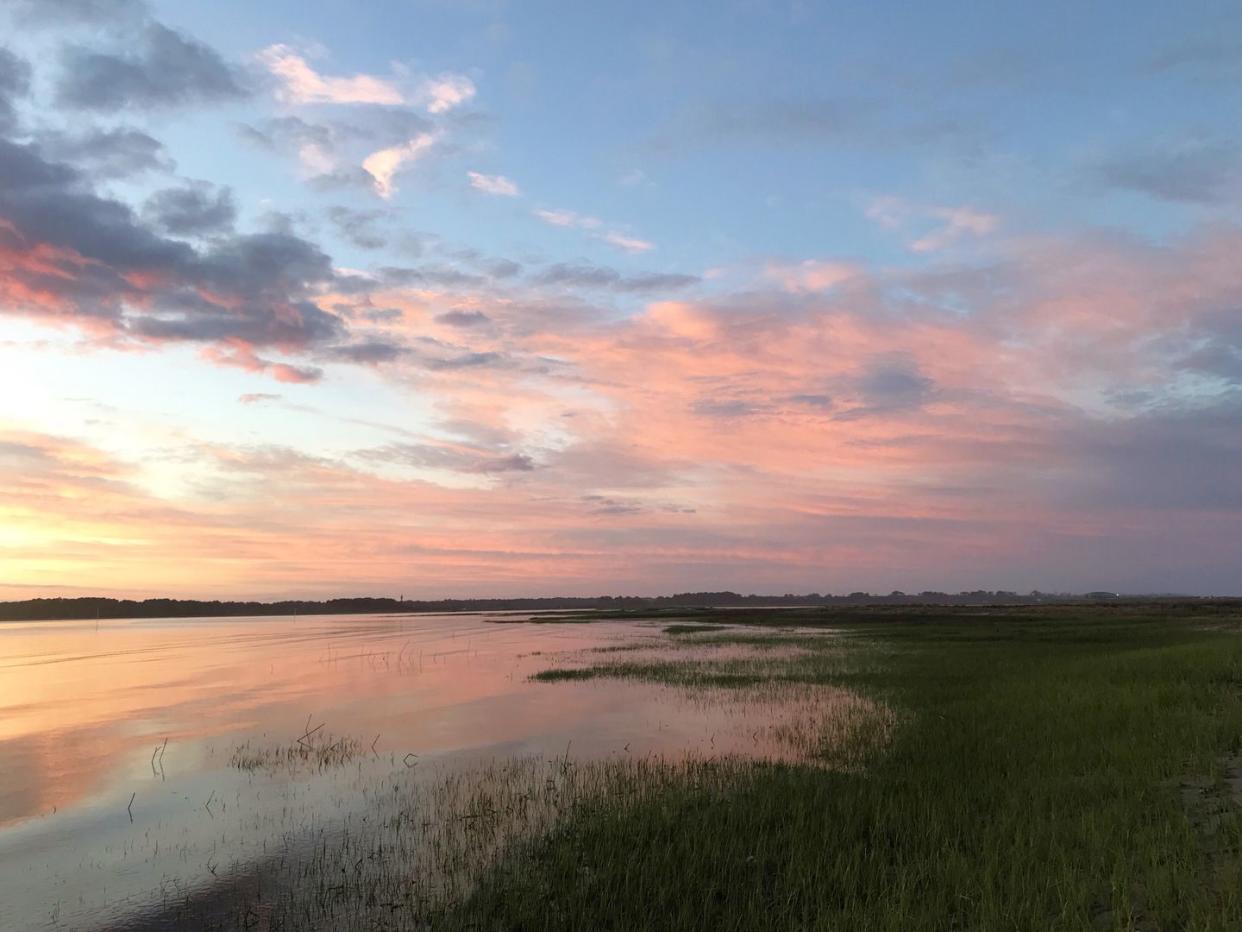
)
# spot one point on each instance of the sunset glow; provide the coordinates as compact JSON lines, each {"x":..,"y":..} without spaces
{"x":445,"y":299}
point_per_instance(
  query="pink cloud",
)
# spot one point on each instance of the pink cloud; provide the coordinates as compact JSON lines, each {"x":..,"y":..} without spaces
{"x":301,"y":84}
{"x":384,"y":164}
{"x":242,"y":356}
{"x":828,"y":425}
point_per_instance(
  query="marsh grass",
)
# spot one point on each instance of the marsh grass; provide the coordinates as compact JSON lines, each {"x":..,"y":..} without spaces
{"x":424,"y":840}
{"x":1002,"y":769}
{"x":319,"y":751}
{"x":1036,"y":783}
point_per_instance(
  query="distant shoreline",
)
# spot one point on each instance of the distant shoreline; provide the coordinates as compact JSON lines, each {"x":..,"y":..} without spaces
{"x":76,"y":609}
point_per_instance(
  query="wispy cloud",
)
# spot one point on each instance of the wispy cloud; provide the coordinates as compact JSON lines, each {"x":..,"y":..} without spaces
{"x":493,"y":184}
{"x":810,"y":275}
{"x":446,"y":92}
{"x":958,"y":222}
{"x":566,"y":218}
{"x":937,"y":227}
{"x":384,"y":164}
{"x":574,"y":220}
{"x":626,"y":243}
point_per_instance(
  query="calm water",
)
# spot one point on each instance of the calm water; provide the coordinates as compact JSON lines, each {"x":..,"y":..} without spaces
{"x":97,"y":823}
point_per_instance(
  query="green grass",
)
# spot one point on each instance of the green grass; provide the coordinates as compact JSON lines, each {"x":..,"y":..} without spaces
{"x":1023,"y":768}
{"x":1035,"y":784}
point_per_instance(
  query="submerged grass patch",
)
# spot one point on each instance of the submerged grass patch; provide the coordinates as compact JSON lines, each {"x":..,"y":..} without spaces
{"x":692,"y":629}
{"x":810,"y":659}
{"x":318,"y":751}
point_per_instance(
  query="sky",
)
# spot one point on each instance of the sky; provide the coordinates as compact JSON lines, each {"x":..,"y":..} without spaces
{"x":486,"y":298}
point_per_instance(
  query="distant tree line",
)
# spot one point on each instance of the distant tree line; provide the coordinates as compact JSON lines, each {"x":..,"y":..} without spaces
{"x":93,"y":607}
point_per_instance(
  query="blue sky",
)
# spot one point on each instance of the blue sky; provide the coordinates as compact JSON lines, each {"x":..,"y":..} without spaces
{"x":766,"y":129}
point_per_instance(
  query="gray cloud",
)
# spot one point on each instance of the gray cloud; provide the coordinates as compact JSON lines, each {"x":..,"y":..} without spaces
{"x":382,"y":124}
{"x":339,"y":143}
{"x":382,"y":315}
{"x":14,"y":83}
{"x":1172,"y":458}
{"x":194,"y":209}
{"x":603,"y":505}
{"x":603,"y":464}
{"x":580,"y":276}
{"x":488,"y":266}
{"x":398,"y":275}
{"x":109,"y":153}
{"x":790,"y":119}
{"x":358,"y":226}
{"x":768,"y":122}
{"x":89,"y":12}
{"x":369,"y":352}
{"x":438,"y":355}
{"x":889,"y":383}
{"x":463,"y":361}
{"x":445,"y":276}
{"x":167,"y":69}
{"x":1216,"y":359}
{"x":293,"y":325}
{"x":463,"y":319}
{"x":725,"y":407}
{"x":1211,"y":55}
{"x":501,"y":268}
{"x":480,"y":434}
{"x":265,"y":263}
{"x":14,"y":73}
{"x":1188,"y":172}
{"x":350,"y":178}
{"x":253,"y":288}
{"x":455,"y":458}
{"x":894,"y":382}
{"x":813,"y":400}
{"x":868,"y":122}
{"x":48,"y":202}
{"x":587,"y":275}
{"x":607,"y":505}
{"x":288,"y":133}
{"x":656,"y":281}
{"x":355,"y":283}
{"x":368,"y":125}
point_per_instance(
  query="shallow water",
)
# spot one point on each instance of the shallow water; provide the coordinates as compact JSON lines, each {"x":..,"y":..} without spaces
{"x":101,"y":821}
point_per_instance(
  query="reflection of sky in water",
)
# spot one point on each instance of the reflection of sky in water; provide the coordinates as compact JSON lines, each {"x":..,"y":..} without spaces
{"x":82,"y":708}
